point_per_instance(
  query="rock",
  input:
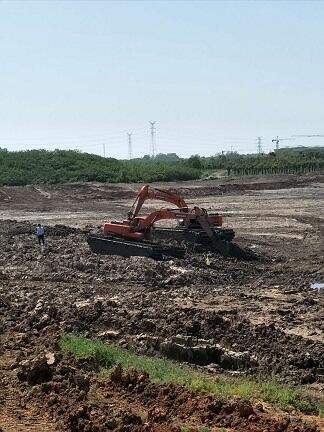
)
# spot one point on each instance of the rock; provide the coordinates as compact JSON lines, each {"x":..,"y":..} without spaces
{"x":215,"y":407}
{"x":82,"y":382}
{"x":244,"y":409}
{"x":111,"y":424}
{"x":157,"y":414}
{"x":82,"y":303}
{"x":109,"y":334}
{"x":35,"y":371}
{"x":131,"y":419}
{"x":50,"y":358}
{"x":259,"y":407}
{"x":307,"y":377}
{"x":117,"y":373}
{"x":39,"y":306}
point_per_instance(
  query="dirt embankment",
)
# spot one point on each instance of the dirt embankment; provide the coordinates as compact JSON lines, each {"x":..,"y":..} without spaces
{"x":46,"y":197}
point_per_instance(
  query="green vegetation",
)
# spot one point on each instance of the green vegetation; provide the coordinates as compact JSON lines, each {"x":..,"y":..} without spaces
{"x":163,"y":371}
{"x":63,"y":166}
{"x":185,"y":428}
{"x":283,"y":161}
{"x":40,"y":166}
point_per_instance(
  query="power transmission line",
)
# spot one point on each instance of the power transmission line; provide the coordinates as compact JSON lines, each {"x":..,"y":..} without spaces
{"x":86,"y":137}
{"x":259,"y":141}
{"x":153,"y":144}
{"x":130,"y":151}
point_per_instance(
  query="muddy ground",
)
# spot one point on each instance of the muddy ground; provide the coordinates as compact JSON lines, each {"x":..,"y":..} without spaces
{"x":258,"y":317}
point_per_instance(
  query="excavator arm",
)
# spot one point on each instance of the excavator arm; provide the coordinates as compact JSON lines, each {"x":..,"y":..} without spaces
{"x":147,"y":192}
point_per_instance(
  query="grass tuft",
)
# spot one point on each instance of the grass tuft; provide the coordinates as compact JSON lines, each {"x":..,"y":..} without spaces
{"x":162,"y":371}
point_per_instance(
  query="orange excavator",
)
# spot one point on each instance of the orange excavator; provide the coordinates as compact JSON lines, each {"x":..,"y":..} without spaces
{"x":137,"y":234}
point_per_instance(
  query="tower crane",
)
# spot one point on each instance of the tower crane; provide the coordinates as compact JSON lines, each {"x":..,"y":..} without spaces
{"x":277,"y":140}
{"x":309,"y":136}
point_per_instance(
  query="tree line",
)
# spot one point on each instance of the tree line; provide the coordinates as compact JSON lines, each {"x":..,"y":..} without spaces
{"x":63,"y":166}
{"x":283,"y":161}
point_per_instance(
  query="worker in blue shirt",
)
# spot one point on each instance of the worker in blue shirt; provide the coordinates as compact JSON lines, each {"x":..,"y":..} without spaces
{"x":40,"y":232}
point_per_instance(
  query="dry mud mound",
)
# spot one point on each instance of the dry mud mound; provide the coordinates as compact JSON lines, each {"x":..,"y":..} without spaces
{"x":78,"y":400}
{"x":14,"y":228}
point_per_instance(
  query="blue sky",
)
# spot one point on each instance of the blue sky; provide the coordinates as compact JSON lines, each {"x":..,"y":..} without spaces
{"x":213,"y":75}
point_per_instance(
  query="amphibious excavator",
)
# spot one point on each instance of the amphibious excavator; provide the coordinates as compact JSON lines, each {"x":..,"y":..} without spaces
{"x":137,"y":235}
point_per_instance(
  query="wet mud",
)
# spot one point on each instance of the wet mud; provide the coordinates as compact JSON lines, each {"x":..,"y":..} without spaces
{"x":233,"y":316}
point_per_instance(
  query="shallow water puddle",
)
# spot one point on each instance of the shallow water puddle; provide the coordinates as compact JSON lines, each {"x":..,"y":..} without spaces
{"x":317,"y":285}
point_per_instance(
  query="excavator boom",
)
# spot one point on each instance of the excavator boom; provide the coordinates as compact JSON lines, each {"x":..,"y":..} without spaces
{"x":147,"y":192}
